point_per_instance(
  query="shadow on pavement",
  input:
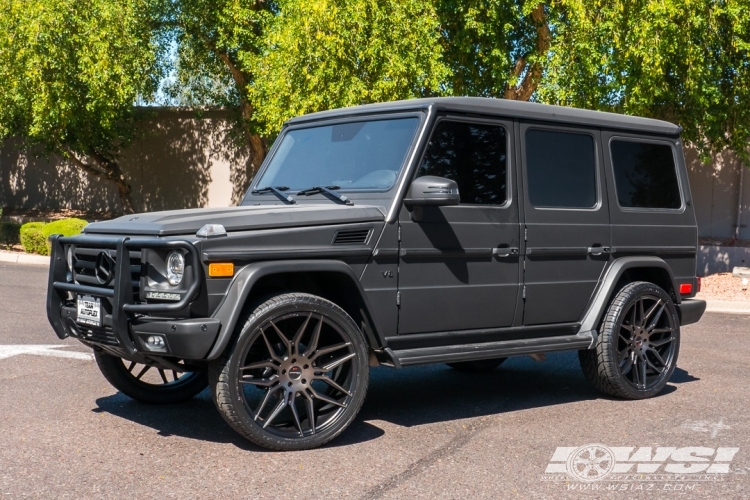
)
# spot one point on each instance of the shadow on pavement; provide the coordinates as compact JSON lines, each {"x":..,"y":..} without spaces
{"x":408,"y":397}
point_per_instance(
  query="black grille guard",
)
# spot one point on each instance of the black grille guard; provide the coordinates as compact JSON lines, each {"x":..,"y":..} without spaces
{"x":122,"y":293}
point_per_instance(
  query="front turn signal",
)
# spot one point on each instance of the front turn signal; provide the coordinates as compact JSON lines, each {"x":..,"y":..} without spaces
{"x":221,"y":270}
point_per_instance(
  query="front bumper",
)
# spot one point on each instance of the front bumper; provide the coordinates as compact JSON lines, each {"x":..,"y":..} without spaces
{"x":130,"y":323}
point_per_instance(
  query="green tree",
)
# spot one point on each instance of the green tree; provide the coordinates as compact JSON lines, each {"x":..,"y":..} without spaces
{"x":70,"y":74}
{"x":333,"y":53}
{"x":685,"y":61}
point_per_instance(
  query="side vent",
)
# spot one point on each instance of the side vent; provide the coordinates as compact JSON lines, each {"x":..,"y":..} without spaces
{"x":351,"y":237}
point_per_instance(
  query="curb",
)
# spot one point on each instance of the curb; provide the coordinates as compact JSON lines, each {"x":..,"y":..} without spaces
{"x":728,"y":307}
{"x":23,"y":258}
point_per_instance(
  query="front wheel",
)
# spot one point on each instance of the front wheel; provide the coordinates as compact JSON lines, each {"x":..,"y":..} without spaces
{"x":150,"y":384}
{"x":636,"y":351}
{"x":296,"y":376}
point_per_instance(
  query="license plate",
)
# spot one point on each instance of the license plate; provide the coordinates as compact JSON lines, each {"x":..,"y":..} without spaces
{"x":89,"y":310}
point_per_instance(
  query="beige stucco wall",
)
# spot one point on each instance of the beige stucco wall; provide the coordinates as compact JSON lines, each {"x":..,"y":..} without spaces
{"x":182,"y":161}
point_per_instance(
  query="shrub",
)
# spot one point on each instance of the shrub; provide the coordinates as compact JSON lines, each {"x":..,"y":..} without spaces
{"x":9,"y":233}
{"x":66,"y":227}
{"x":35,"y":235}
{"x":33,"y":239}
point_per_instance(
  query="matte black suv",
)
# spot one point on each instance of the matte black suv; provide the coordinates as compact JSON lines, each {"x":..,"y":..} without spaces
{"x":454,"y":230}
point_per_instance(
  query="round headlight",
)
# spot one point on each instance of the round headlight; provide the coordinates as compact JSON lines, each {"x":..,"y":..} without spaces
{"x":175,"y":268}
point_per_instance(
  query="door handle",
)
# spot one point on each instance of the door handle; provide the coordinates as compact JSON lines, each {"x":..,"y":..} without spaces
{"x":598,"y":250}
{"x":505,"y":252}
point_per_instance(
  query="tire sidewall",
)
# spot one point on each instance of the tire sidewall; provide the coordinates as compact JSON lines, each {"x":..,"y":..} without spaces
{"x":301,"y":304}
{"x":610,"y":336}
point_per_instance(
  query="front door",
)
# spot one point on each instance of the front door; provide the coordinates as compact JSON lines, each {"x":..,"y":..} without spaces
{"x":566,"y":221}
{"x":459,"y":265}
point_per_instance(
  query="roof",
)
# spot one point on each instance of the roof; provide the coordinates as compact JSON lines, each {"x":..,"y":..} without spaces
{"x":506,"y":108}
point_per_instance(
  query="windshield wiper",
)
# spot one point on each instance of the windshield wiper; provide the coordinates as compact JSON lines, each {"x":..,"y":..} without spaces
{"x":278,"y":191}
{"x":329,"y":190}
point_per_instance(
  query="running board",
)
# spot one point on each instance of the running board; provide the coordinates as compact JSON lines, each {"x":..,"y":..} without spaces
{"x":486,"y":350}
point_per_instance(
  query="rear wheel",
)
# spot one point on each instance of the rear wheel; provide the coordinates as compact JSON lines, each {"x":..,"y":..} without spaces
{"x":296,"y":376}
{"x":479,"y":365}
{"x":636,"y":351}
{"x":150,"y":384}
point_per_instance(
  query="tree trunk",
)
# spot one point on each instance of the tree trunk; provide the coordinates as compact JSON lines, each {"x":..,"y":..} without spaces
{"x":107,"y":170}
{"x":530,"y":82}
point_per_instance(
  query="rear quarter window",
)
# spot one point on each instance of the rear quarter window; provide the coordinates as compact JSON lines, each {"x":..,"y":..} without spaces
{"x":645,"y":175}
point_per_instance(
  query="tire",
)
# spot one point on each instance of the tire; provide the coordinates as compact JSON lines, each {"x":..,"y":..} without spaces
{"x":142,"y":383}
{"x":270,"y":385}
{"x":479,"y":365}
{"x":633,"y":358}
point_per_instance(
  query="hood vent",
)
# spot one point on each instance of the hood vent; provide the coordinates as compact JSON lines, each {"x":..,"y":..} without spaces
{"x":351,"y":237}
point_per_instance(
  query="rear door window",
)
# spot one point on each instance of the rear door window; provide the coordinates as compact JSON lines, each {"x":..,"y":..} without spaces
{"x":560,"y":169}
{"x":645,"y":175}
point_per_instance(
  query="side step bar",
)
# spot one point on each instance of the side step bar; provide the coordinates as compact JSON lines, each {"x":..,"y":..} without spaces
{"x":486,"y":350}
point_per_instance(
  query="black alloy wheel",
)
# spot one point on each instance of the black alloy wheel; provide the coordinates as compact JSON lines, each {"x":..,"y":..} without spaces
{"x":637,"y":348}
{"x":149,"y":383}
{"x":297,"y":375}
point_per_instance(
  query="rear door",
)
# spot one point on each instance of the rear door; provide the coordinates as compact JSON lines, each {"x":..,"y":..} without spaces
{"x":566,"y":220}
{"x":459,"y":265}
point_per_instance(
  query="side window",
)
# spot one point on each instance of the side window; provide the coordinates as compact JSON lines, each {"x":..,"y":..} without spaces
{"x":560,"y":169}
{"x":645,"y":175}
{"x":472,"y":154}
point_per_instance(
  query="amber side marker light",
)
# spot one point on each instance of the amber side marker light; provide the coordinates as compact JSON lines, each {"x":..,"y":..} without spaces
{"x":686,"y":288}
{"x":223,"y":270}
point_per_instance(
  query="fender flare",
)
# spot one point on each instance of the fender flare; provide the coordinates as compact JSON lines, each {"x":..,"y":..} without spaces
{"x":229,"y":310}
{"x":598,"y":305}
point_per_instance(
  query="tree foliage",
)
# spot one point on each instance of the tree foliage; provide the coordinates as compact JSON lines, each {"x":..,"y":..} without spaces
{"x":333,"y":53}
{"x":685,"y":61}
{"x":70,"y":74}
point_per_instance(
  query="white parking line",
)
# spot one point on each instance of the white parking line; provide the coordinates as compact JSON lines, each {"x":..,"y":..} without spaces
{"x":7,"y":351}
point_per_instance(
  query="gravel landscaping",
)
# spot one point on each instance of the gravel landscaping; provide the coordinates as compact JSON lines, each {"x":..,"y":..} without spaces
{"x":724,"y":286}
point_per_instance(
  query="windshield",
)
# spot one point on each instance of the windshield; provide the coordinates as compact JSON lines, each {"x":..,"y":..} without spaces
{"x":355,"y":155}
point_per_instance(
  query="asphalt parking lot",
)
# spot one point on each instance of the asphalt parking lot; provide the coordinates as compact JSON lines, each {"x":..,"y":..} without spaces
{"x":425,"y":432}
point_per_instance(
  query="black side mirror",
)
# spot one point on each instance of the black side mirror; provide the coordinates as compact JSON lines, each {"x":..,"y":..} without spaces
{"x":433,"y":191}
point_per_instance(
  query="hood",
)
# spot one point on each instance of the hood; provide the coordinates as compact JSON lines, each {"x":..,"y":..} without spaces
{"x":188,"y":222}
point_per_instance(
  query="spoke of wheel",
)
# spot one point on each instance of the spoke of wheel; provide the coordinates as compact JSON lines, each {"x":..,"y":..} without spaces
{"x":294,"y":412}
{"x":625,"y":354}
{"x":661,"y":342}
{"x":315,"y":337}
{"x":259,"y":364}
{"x":132,"y":365}
{"x":658,"y":356}
{"x":310,"y":411}
{"x":271,"y":352}
{"x":641,"y":312}
{"x":627,"y":366}
{"x":328,"y":349}
{"x":651,"y":310}
{"x":145,"y":369}
{"x":327,"y":399}
{"x":298,"y":336}
{"x":623,"y":337}
{"x":653,"y":323}
{"x":275,"y":412}
{"x":263,"y":403}
{"x":643,"y":372}
{"x":163,"y":376}
{"x":652,"y":365}
{"x":632,"y":319}
{"x":333,"y":364}
{"x":261,"y":382}
{"x":283,"y":338}
{"x":636,"y":371}
{"x":174,"y":376}
{"x":328,"y":380}
{"x":628,"y":328}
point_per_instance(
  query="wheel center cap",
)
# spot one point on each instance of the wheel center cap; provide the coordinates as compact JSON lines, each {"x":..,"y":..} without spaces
{"x":295,"y":372}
